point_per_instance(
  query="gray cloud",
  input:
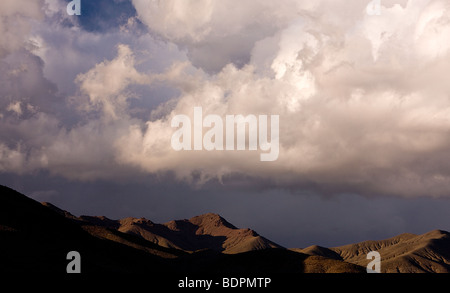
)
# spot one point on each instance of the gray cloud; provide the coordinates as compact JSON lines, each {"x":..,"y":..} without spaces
{"x":15,"y":23}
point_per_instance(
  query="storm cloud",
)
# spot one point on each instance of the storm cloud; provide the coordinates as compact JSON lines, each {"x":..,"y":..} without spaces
{"x":363,"y":99}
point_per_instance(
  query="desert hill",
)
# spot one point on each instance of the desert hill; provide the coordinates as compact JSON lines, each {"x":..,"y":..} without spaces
{"x":405,"y":253}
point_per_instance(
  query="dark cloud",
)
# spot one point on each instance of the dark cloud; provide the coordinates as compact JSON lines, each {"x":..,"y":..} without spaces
{"x":290,"y":220}
{"x":22,"y":80}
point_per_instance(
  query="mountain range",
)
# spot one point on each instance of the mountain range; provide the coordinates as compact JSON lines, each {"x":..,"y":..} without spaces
{"x":36,"y":237}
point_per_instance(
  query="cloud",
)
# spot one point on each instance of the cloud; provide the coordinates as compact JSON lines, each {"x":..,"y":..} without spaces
{"x":15,"y":107}
{"x":106,"y":82}
{"x":362,"y":100}
{"x":15,"y":22}
{"x":351,"y":119}
{"x":216,"y":33}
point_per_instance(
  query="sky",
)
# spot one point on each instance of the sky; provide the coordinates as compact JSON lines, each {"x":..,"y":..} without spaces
{"x":87,"y":104}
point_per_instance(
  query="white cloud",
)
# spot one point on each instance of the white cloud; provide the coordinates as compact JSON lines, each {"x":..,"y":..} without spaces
{"x":15,"y":107}
{"x":216,"y":33}
{"x":106,"y":82}
{"x":432,"y":33}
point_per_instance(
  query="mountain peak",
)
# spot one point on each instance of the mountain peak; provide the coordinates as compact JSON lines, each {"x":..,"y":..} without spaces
{"x":320,"y":251}
{"x":211,"y":220}
{"x":136,"y":221}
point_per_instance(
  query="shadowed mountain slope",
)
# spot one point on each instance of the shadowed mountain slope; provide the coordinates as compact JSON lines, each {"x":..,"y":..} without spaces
{"x":35,"y":238}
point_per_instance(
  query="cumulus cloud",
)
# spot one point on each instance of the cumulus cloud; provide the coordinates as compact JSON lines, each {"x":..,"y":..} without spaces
{"x":357,"y":112}
{"x":216,"y":32}
{"x":362,"y":100}
{"x":106,"y":82}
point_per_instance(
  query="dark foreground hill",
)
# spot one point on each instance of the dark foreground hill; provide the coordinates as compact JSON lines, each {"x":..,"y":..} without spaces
{"x":35,"y":238}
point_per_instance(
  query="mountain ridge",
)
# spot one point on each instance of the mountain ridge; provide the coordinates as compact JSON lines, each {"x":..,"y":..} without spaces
{"x":207,"y":231}
{"x":404,"y":253}
{"x":37,"y":236}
